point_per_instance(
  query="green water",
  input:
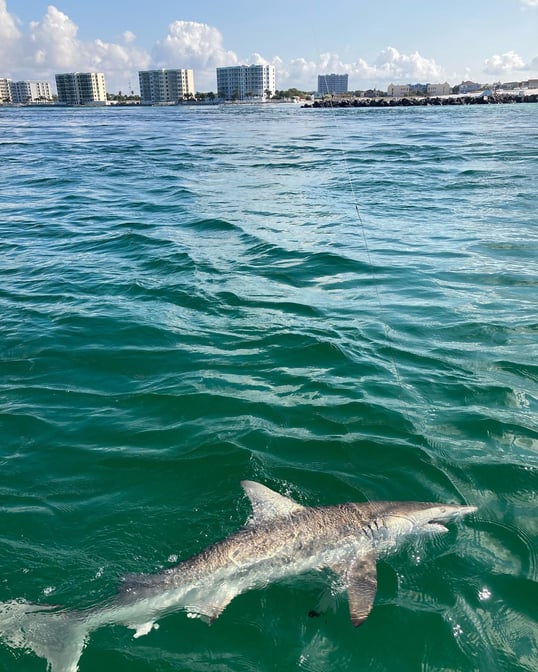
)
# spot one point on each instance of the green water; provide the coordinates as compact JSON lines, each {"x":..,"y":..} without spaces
{"x":188,"y":298}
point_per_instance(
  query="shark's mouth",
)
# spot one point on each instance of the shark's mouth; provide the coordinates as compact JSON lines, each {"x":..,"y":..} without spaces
{"x":436,"y":524}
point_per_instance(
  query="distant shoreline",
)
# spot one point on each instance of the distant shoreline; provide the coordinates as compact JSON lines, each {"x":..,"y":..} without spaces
{"x":327,"y":103}
{"x":422,"y":101}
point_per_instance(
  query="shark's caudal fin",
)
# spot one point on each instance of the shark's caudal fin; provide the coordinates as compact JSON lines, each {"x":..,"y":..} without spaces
{"x":56,"y":636}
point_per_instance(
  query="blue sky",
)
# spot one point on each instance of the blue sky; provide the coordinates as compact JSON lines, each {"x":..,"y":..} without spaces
{"x":375,"y":41}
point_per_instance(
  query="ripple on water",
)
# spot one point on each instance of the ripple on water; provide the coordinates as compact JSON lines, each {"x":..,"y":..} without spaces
{"x":190,"y":299}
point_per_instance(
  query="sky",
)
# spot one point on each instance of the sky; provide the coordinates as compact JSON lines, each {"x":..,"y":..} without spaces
{"x":377,"y":42}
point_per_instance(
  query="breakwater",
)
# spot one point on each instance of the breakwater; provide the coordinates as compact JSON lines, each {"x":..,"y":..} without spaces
{"x":423,"y":101}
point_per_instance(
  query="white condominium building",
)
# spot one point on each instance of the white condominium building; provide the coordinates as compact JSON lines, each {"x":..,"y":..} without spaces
{"x":5,"y":90}
{"x":158,"y":87}
{"x":246,"y":82}
{"x":81,"y":88}
{"x":24,"y":92}
{"x":31,"y":92}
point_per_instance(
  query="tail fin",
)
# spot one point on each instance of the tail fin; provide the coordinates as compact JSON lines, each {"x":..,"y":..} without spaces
{"x":57,"y":636}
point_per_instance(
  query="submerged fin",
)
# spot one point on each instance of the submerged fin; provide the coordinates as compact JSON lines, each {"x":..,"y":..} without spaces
{"x":208,"y":605}
{"x":360,"y":583}
{"x":267,"y":504}
{"x":58,"y":637}
{"x":143,"y":628}
{"x":210,"y":611}
{"x":361,"y":588}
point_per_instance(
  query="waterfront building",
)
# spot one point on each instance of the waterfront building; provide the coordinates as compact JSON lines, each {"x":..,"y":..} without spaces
{"x":507,"y":86}
{"x":24,"y":92}
{"x":246,"y":82}
{"x":469,"y":87}
{"x":165,"y":86}
{"x":332,"y":85}
{"x":30,"y":92}
{"x":374,"y":93}
{"x":439,"y":89}
{"x":528,"y":84}
{"x":398,"y":90}
{"x":418,"y":89}
{"x":5,"y":90}
{"x":81,"y":88}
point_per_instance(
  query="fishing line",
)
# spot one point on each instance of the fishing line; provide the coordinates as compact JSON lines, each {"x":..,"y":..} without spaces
{"x":355,"y":202}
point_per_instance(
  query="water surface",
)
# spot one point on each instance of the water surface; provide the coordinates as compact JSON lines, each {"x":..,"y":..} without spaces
{"x":189,"y":297}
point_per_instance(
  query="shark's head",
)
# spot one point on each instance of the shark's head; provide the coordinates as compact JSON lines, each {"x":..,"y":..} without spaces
{"x":421,"y":518}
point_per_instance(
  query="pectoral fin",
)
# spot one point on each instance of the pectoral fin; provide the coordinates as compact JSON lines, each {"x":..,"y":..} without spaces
{"x":209,"y":610}
{"x":359,"y":580}
{"x":361,"y":586}
{"x":143,"y":629}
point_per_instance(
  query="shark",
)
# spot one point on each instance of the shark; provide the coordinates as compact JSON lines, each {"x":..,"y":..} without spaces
{"x":281,"y":539}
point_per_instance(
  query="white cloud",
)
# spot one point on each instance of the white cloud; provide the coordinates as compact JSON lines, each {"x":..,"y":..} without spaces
{"x":53,"y":41}
{"x":500,"y":64}
{"x":407,"y":66}
{"x":9,"y":37}
{"x":258,"y":59}
{"x":389,"y":65}
{"x":303,"y":74}
{"x":51,"y":45}
{"x":199,"y":46}
{"x":8,"y":27}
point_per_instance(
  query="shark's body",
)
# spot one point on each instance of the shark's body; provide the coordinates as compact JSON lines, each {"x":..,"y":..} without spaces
{"x":282,"y":539}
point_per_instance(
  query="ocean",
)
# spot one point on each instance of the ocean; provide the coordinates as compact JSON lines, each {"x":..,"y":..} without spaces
{"x":340,"y":304}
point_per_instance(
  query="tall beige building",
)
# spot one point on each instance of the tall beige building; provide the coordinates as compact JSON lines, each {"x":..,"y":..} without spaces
{"x":165,"y":86}
{"x":81,"y":88}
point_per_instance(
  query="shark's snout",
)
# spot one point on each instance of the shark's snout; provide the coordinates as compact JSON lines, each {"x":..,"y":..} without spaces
{"x":444,"y":514}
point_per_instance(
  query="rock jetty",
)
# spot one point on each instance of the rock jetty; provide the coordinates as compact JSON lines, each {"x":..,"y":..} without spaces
{"x":424,"y":101}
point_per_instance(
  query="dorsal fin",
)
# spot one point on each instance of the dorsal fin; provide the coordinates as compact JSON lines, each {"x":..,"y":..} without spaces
{"x":267,"y":504}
